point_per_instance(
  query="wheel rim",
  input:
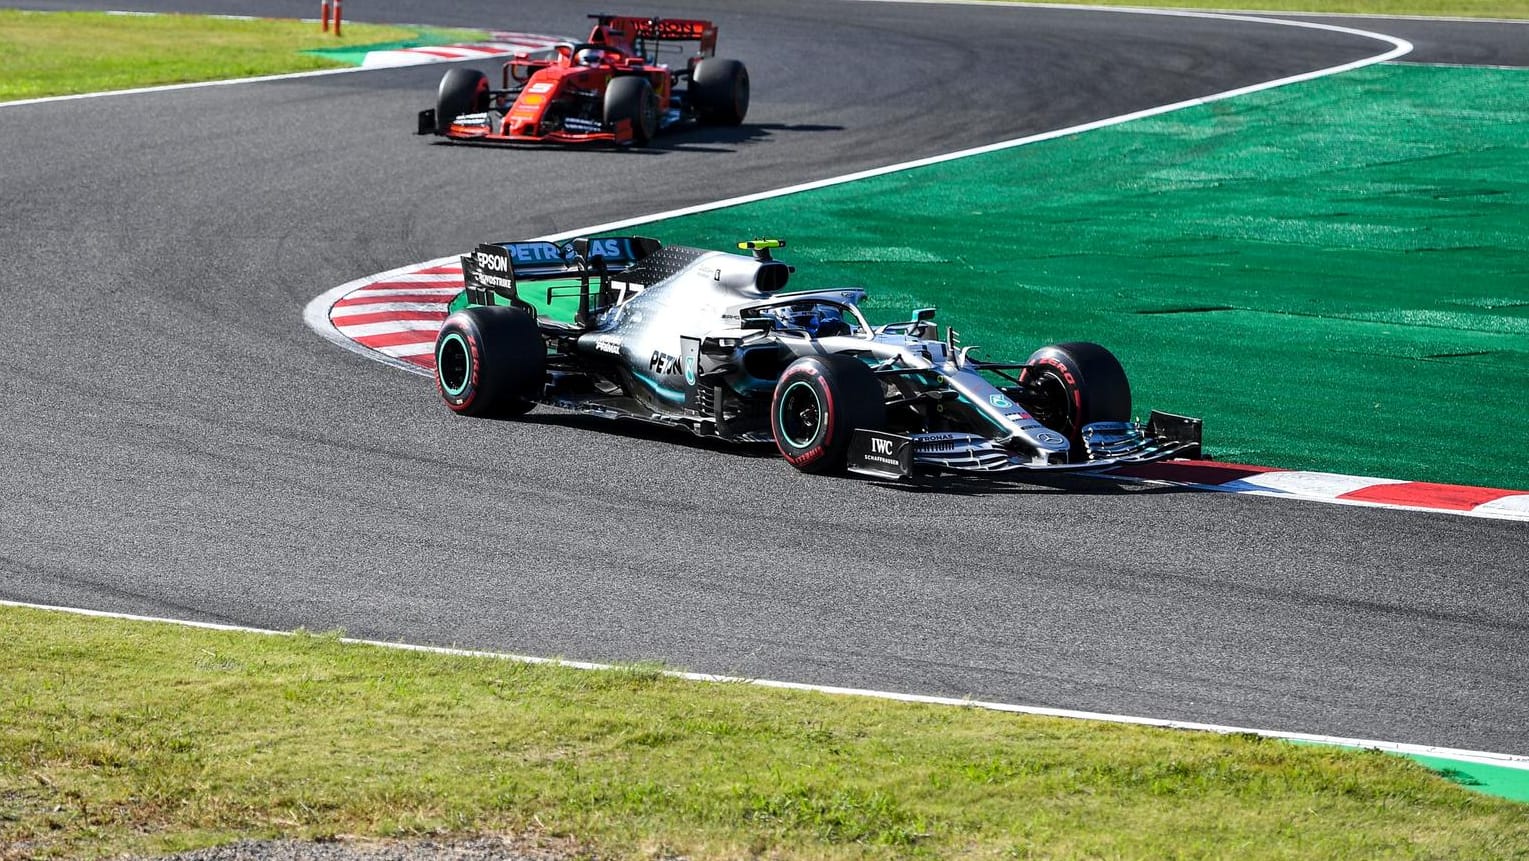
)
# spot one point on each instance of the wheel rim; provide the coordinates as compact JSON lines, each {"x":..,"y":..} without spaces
{"x":453,"y":364}
{"x":800,"y":415}
{"x":649,"y":118}
{"x":1054,"y":409}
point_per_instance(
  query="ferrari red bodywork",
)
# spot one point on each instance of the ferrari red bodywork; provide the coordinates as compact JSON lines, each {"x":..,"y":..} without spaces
{"x":611,"y":88}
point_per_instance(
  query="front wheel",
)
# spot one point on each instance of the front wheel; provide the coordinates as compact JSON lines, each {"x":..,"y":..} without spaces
{"x":1076,"y":384}
{"x":819,"y":402}
{"x":462,"y":91}
{"x":632,"y":98}
{"x":490,"y":361}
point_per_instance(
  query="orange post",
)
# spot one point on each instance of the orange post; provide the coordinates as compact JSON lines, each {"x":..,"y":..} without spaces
{"x":324,"y":9}
{"x":337,"y":17}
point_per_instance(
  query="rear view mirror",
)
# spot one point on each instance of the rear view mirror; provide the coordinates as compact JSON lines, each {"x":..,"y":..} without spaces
{"x":520,"y":68}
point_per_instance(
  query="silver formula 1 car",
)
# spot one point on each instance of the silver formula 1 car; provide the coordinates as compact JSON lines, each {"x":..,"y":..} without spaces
{"x":711,"y":342}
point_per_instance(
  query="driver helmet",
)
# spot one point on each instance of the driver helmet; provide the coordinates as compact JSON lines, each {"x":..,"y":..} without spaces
{"x":589,"y":57}
{"x":819,"y":321}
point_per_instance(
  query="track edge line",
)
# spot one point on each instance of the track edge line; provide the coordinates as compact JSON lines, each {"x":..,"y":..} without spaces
{"x":1479,"y":757}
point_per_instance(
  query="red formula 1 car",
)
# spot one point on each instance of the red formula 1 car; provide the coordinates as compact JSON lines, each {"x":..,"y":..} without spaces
{"x":611,"y":88}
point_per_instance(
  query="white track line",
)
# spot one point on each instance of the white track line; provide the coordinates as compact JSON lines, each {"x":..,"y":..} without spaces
{"x":1481,"y":757}
{"x":362,"y":330}
{"x":316,"y":314}
{"x":1399,"y":48}
{"x":165,"y":88}
{"x":1513,"y":506}
{"x":1262,"y":13}
{"x":288,"y":76}
{"x":390,"y":307}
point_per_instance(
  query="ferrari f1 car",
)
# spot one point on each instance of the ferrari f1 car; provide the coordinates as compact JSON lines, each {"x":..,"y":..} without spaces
{"x":710,"y":341}
{"x":611,"y":88}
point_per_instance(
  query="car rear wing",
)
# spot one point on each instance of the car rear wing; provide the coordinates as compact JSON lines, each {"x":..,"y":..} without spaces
{"x":657,"y":30}
{"x":502,"y":268}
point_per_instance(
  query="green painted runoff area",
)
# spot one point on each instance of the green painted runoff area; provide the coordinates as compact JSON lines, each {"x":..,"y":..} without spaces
{"x":1501,"y":781}
{"x":1334,"y":274}
{"x":355,"y":55}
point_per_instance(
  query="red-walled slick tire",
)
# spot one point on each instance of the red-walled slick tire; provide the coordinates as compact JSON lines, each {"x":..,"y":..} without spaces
{"x":1080,"y":383}
{"x":490,"y":361}
{"x":819,"y":402}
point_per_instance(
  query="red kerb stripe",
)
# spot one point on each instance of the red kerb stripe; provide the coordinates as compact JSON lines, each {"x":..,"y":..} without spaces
{"x":1191,"y":471}
{"x":386,"y":317}
{"x":394,"y":286}
{"x":394,"y":339}
{"x":375,"y":298}
{"x":1424,"y":494}
{"x":434,"y":53}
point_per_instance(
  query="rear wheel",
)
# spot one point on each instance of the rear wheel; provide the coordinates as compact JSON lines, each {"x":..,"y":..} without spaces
{"x":719,"y":91}
{"x":819,"y":402}
{"x":490,"y":361}
{"x":632,"y":98}
{"x":1076,"y":384}
{"x":462,"y":91}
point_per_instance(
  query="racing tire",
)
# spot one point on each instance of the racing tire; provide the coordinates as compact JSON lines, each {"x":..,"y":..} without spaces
{"x":490,"y":361}
{"x":819,"y":402}
{"x":1080,"y":383}
{"x":719,"y":92}
{"x":632,"y":98}
{"x":462,"y":91}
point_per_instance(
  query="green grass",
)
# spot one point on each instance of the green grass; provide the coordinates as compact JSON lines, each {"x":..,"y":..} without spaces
{"x":120,"y":736}
{"x":1431,"y":8}
{"x":1315,"y":270}
{"x":61,"y":53}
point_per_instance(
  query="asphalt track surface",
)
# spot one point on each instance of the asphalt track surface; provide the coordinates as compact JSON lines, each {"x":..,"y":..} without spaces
{"x":178,"y":444}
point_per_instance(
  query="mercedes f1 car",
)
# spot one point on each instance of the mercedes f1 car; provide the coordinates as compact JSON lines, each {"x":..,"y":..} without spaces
{"x":611,"y":88}
{"x":710,"y":341}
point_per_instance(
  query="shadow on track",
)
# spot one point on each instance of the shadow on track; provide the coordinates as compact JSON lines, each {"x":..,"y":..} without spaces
{"x":717,"y":139}
{"x":938,"y":484}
